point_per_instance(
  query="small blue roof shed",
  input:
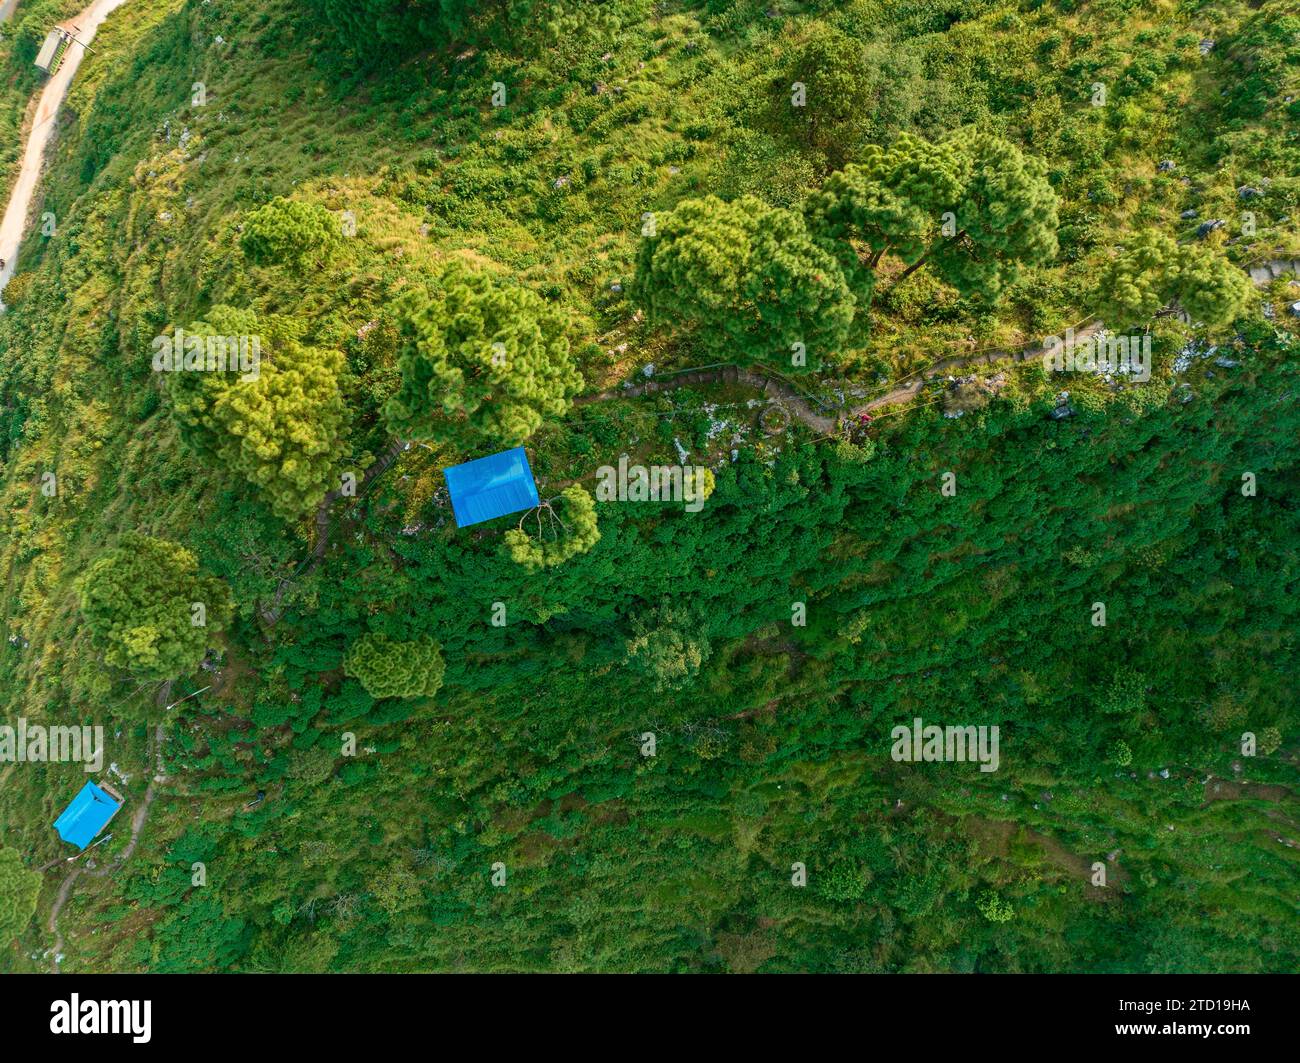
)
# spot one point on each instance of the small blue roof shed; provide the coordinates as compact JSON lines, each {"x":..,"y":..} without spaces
{"x":87,"y":815}
{"x":491,"y":487}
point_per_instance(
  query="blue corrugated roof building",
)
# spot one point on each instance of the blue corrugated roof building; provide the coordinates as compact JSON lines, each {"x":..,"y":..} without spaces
{"x":491,"y":487}
{"x":87,"y":815}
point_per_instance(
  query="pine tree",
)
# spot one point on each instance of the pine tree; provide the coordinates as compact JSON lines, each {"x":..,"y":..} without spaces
{"x":149,"y":609}
{"x":836,"y":109}
{"x":394,"y":668}
{"x":561,"y":533}
{"x":284,"y":431}
{"x":481,"y":361}
{"x":1155,"y":276}
{"x":290,"y":232}
{"x":1005,"y":219}
{"x":749,"y":280}
{"x":281,"y":429}
{"x":668,"y":645}
{"x":890,"y":203}
{"x":974,"y":207}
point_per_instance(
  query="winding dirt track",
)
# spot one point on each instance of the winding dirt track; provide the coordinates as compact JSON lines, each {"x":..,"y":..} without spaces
{"x":799,"y":407}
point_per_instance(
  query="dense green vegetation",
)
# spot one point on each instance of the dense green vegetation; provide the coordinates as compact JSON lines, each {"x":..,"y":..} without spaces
{"x":601,"y":735}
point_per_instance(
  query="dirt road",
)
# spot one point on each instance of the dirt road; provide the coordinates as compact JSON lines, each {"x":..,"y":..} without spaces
{"x":38,"y":139}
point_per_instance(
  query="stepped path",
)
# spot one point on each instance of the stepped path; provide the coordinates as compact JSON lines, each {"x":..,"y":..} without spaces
{"x":820,"y":418}
{"x":799,"y":407}
{"x":38,"y":138}
{"x":904,"y":391}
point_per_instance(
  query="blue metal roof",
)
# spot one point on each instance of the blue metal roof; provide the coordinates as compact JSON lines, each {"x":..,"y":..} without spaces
{"x":491,"y":487}
{"x":86,"y":816}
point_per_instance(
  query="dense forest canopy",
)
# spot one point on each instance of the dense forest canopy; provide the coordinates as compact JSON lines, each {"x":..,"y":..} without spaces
{"x":611,"y":735}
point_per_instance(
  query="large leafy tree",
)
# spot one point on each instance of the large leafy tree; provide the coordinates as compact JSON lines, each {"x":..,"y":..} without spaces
{"x":193,"y":393}
{"x":668,"y":645}
{"x":19,"y":886}
{"x":282,"y":430}
{"x":481,"y":361}
{"x":396,"y":668}
{"x":150,"y":609}
{"x":747,"y":278}
{"x":834,"y":112}
{"x":1154,"y":275}
{"x":852,"y":93}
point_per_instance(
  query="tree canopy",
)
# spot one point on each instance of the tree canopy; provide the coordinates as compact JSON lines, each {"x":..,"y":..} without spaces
{"x":283,"y":430}
{"x":562,"y":532}
{"x":291,"y":232}
{"x":747,"y":279}
{"x":974,"y":207}
{"x":482,"y":361}
{"x":396,"y":668}
{"x":149,"y":608}
{"x":1154,"y":274}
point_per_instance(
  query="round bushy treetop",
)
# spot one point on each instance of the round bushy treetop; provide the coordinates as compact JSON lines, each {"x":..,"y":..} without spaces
{"x":994,"y":908}
{"x":668,"y":645}
{"x":570,"y":530}
{"x":139,"y":601}
{"x":1210,"y":288}
{"x":838,"y":107}
{"x":395,"y":668}
{"x":19,"y":886}
{"x":281,"y":430}
{"x":748,"y":278}
{"x":892,"y":202}
{"x":290,"y":232}
{"x":192,"y":394}
{"x":974,"y":207}
{"x":853,"y":93}
{"x":481,"y":361}
{"x":1134,"y":286}
{"x":1006,"y":217}
{"x":1154,"y":274}
{"x":1119,"y":754}
{"x":284,"y":431}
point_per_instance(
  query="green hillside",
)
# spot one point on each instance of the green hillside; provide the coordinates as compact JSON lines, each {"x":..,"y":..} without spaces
{"x":412,"y":746}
